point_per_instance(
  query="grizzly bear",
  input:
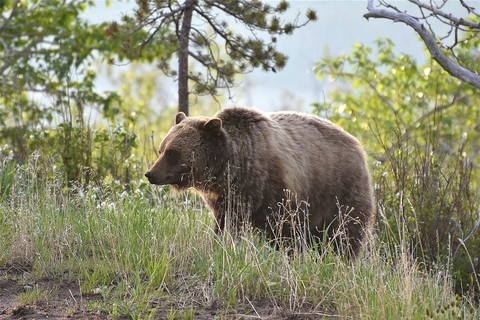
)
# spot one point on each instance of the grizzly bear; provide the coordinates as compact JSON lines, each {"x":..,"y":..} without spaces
{"x":253,"y":167}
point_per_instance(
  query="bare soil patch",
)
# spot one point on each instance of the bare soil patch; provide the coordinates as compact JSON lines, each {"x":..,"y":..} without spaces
{"x":66,"y":301}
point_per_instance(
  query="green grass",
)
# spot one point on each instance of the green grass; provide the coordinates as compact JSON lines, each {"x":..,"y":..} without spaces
{"x":34,"y":295}
{"x":149,"y":250}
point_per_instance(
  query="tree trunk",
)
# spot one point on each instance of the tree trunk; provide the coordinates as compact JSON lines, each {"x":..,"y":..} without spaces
{"x":183,"y":91}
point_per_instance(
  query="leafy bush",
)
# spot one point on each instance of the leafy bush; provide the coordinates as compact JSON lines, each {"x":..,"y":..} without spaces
{"x":420,"y":127}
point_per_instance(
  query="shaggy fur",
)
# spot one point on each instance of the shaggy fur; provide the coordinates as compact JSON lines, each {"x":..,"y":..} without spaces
{"x":255,"y":167}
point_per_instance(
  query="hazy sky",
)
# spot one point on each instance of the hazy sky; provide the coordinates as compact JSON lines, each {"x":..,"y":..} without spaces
{"x":340,"y":24}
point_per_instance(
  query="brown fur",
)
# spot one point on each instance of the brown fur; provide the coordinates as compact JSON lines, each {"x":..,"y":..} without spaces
{"x":242,"y":162}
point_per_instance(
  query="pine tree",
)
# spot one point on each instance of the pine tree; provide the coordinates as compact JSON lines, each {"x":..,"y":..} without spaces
{"x":198,"y":30}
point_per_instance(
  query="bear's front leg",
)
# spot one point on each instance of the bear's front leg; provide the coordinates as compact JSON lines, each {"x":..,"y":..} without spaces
{"x":219,"y":223}
{"x":217,"y":207}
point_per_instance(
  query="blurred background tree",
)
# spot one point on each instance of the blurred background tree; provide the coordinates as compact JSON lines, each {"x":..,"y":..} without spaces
{"x":48,"y":97}
{"x":43,"y":56}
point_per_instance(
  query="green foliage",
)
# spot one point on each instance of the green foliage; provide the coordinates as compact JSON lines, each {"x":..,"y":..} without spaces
{"x":45,"y":48}
{"x":44,"y":64}
{"x":48,"y":97}
{"x":34,"y":295}
{"x":421,"y":127}
{"x":7,"y":175}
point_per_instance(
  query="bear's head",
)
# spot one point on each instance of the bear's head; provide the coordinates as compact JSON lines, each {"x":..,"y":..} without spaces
{"x":190,"y":153}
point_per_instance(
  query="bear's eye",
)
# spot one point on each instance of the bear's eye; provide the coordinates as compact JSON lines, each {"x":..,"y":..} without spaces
{"x":172,"y":156}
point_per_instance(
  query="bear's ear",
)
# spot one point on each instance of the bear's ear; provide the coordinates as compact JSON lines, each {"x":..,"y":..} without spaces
{"x":180,"y":117}
{"x":213,"y":125}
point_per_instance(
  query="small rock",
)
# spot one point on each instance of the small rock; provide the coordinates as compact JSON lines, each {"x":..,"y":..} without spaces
{"x":27,"y":287}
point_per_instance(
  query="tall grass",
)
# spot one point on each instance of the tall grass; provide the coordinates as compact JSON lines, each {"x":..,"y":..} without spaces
{"x":147,"y":251}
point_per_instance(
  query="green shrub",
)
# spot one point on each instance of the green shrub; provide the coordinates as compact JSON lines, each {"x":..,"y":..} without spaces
{"x":419,"y":127}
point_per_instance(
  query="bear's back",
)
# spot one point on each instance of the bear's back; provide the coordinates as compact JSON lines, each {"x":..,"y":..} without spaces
{"x":320,"y":147}
{"x":321,"y":129}
{"x":313,"y":154}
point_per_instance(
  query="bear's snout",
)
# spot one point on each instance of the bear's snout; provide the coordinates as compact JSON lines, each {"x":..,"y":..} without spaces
{"x":155,"y":177}
{"x":149,"y":174}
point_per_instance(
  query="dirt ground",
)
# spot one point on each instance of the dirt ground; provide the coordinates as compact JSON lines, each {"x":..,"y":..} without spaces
{"x":66,"y":301}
